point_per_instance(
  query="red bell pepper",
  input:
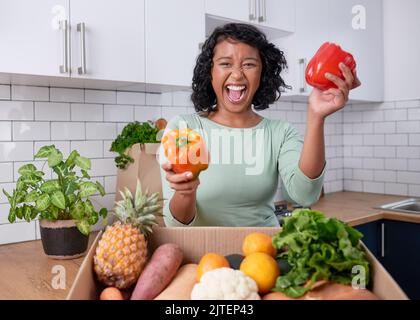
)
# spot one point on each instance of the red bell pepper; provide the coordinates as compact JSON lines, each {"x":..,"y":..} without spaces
{"x":327,"y":59}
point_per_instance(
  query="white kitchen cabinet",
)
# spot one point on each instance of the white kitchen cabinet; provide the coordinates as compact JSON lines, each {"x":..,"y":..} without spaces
{"x":113,"y":40}
{"x":174,"y":31}
{"x":31,"y":41}
{"x":276,"y":18}
{"x":328,"y":20}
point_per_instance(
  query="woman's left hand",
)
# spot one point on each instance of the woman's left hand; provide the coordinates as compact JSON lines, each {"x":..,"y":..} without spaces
{"x":324,"y":103}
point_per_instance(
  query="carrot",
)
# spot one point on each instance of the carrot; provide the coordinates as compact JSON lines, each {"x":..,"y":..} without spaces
{"x":158,"y":272}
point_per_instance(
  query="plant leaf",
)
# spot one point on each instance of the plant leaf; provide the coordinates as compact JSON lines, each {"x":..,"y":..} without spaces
{"x":45,"y":151}
{"x":77,"y":210}
{"x":103,"y":212}
{"x":83,"y":226}
{"x":85,"y":174}
{"x":27,"y":213}
{"x":87,"y":189}
{"x":100,"y":188}
{"x":31,"y":196}
{"x":43,"y":202}
{"x":72,"y":157}
{"x":27,"y":169}
{"x":12,"y":215}
{"x":71,"y":198}
{"x":54,"y":158}
{"x":93,"y":218}
{"x":82,"y":163}
{"x":69,"y":187}
{"x":58,"y":199}
{"x":50,"y":186}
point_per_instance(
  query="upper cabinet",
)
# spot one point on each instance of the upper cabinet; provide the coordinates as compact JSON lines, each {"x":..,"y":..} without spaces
{"x":107,"y":40}
{"x":33,"y":41}
{"x":275,"y":17}
{"x":174,"y":31}
{"x":355,"y":25}
{"x":101,"y":40}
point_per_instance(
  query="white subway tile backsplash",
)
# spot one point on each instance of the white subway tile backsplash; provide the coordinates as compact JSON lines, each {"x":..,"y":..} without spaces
{"x":348,"y":174}
{"x":4,"y":92}
{"x":5,"y":131}
{"x":107,"y":147}
{"x":30,"y":93}
{"x":143,"y":114}
{"x":88,"y":149}
{"x":408,"y":152}
{"x":4,"y":213}
{"x":120,"y":127}
{"x":283,"y":105}
{"x":170,"y":112}
{"x":16,"y":110}
{"x":407,"y":104}
{"x":160,"y":99}
{"x":373,"y":116}
{"x":363,"y":174}
{"x":384,"y":152}
{"x":101,"y":131}
{"x":374,"y":140}
{"x":133,"y":98}
{"x":414,"y":114}
{"x":26,"y":131}
{"x":353,"y":140}
{"x":17,"y":232}
{"x":408,"y":177}
{"x":396,"y":164}
{"x":16,"y":151}
{"x":355,"y":163}
{"x":414,"y":165}
{"x":8,"y":187}
{"x":396,"y":115}
{"x":353,"y":185}
{"x":87,"y":112}
{"x":295,"y":116}
{"x":385,"y":176}
{"x":52,"y":111}
{"x":384,"y":127}
{"x":396,"y":188}
{"x":297,"y":106}
{"x":100,"y":96}
{"x":373,"y":163}
{"x":414,"y":139}
{"x":67,"y":95}
{"x":6,"y":172}
{"x":414,"y":190}
{"x":277,"y":115}
{"x":396,"y":139}
{"x":103,"y":167}
{"x":181,"y":98}
{"x":373,"y":187}
{"x":364,"y":127}
{"x":352,"y":117}
{"x":110,"y":184}
{"x":408,"y":126}
{"x":116,"y":113}
{"x":362,"y":152}
{"x":68,"y":131}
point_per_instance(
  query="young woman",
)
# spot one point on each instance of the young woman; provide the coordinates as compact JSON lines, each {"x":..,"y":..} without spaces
{"x":236,"y":75}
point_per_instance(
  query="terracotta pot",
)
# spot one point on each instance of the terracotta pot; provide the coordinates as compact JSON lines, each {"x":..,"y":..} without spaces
{"x":62,"y":240}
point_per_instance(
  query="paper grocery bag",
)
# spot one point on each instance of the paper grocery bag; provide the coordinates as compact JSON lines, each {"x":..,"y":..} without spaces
{"x":145,"y":168}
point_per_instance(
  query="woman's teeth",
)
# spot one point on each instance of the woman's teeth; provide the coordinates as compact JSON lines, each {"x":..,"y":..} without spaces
{"x":236,"y":93}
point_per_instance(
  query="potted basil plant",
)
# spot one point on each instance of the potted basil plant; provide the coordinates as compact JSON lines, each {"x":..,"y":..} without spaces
{"x":62,"y":204}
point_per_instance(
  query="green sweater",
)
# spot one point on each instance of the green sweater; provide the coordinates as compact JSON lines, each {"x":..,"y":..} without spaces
{"x":239,"y":186}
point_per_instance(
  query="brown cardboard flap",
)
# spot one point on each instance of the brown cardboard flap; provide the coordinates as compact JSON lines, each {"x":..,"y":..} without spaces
{"x":196,"y":241}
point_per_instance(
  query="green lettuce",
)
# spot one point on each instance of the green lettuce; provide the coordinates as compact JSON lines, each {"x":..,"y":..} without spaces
{"x":317,"y":248}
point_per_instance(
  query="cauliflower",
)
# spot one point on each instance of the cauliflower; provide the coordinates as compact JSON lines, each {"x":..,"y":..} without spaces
{"x":225,"y":284}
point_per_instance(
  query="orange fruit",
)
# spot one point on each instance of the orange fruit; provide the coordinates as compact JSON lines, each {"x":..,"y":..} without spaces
{"x":211,"y":261}
{"x":258,"y":242}
{"x":111,"y":293}
{"x":262,"y":268}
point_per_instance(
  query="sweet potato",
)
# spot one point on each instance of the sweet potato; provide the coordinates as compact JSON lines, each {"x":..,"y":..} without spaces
{"x":181,"y":286}
{"x":158,"y":272}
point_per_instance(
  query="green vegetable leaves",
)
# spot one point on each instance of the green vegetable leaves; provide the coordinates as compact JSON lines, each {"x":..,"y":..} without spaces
{"x":64,"y":197}
{"x":317,"y":248}
{"x":134,"y":132}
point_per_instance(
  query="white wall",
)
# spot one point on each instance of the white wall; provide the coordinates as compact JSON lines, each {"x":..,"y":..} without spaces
{"x":402,"y":49}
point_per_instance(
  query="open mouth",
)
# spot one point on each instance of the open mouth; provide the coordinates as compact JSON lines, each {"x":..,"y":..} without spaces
{"x":236,"y":93}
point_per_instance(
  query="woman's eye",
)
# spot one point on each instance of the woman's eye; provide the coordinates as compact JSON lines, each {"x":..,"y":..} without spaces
{"x":249,"y":65}
{"x":225,"y":64}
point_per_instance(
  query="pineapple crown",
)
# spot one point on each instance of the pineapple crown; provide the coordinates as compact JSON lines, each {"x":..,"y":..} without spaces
{"x":140,"y":211}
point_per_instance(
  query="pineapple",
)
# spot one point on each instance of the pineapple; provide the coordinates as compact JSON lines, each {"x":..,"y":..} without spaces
{"x":122,"y":251}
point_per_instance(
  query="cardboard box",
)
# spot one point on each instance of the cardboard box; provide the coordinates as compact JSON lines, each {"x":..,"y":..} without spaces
{"x":195,"y":241}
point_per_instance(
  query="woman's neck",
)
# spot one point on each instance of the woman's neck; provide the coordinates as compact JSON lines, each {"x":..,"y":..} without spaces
{"x":246,"y":119}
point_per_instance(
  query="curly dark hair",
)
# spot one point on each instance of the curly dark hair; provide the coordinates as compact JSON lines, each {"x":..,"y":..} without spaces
{"x":273,"y":62}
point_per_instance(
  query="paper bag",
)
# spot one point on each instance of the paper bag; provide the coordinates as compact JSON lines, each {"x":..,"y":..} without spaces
{"x":145,"y":167}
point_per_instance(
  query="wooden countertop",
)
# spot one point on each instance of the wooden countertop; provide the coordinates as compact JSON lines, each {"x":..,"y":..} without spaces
{"x":26,"y":273}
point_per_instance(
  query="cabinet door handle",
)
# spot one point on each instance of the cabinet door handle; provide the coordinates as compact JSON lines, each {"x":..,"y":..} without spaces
{"x":302,"y":65}
{"x":64,"y":27}
{"x":262,"y":13}
{"x":82,"y":29}
{"x":252,"y":9}
{"x":382,"y":240}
